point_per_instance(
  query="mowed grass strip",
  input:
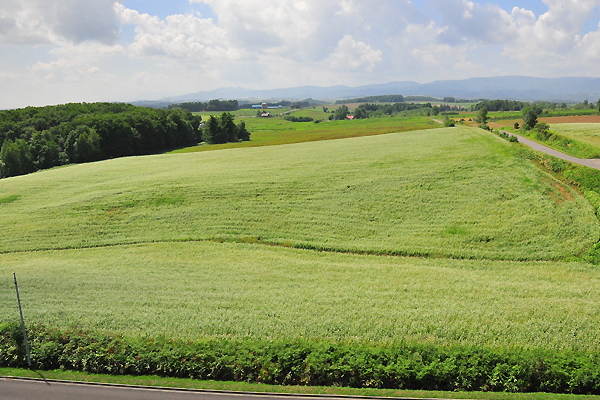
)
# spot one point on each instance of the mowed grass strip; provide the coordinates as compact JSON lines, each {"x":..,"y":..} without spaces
{"x":229,"y":290}
{"x":277,"y":131}
{"x":456,"y":192}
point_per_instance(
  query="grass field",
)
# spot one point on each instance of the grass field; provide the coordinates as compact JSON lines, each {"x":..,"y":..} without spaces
{"x":141,"y":251}
{"x":193,"y":290}
{"x":586,"y":133}
{"x":277,"y":131}
{"x":443,"y":192}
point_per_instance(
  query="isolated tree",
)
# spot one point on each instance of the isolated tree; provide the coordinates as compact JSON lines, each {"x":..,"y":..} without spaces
{"x":530,"y":119}
{"x":516,"y":125}
{"x":482,"y":117}
{"x":435,"y":110}
{"x":598,"y":105}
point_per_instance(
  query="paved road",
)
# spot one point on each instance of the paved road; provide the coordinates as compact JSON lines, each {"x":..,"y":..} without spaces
{"x":588,"y":162}
{"x":19,"y":389}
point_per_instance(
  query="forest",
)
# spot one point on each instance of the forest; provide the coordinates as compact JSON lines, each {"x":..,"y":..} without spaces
{"x":35,"y":138}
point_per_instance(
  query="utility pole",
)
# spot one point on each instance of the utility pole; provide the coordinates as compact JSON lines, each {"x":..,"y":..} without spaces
{"x":22,"y":322}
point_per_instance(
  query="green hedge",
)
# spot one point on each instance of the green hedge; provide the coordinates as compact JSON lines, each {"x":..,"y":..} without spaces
{"x":408,"y":366}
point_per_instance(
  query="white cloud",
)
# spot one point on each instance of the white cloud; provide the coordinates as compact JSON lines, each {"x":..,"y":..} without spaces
{"x":259,"y":44}
{"x":180,"y":36}
{"x":352,"y":54}
{"x":47,"y":21}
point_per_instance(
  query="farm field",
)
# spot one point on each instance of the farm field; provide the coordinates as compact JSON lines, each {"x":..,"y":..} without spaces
{"x":310,"y":242}
{"x":575,"y":119}
{"x":587,"y":133}
{"x":457,"y":193}
{"x":277,"y":131}
{"x":223,"y":290}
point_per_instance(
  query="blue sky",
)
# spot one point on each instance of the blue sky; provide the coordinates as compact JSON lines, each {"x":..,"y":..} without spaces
{"x":56,"y":51}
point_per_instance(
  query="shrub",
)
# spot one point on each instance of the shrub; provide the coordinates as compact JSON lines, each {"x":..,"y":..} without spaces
{"x":418,"y":366}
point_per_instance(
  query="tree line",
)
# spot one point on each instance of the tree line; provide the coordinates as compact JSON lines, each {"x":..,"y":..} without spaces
{"x":212,"y":105}
{"x":36,"y":138}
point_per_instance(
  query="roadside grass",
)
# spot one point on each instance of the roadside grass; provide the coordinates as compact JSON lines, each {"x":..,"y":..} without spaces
{"x":578,"y":140}
{"x":589,"y":134}
{"x":247,"y":291}
{"x":517,"y":116}
{"x":157,"y":381}
{"x":277,"y":131}
{"x":454,"y":192}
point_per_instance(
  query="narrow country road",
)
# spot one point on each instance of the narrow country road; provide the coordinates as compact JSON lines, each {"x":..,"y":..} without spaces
{"x":21,"y":389}
{"x":588,"y":162}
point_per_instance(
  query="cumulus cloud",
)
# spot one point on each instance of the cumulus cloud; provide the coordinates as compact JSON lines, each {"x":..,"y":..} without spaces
{"x":256,"y":44}
{"x":48,"y":21}
{"x":352,"y":54}
{"x":180,"y":36}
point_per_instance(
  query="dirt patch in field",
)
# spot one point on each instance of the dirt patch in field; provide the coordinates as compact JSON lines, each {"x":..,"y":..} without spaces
{"x":579,"y":119}
{"x":560,"y":194}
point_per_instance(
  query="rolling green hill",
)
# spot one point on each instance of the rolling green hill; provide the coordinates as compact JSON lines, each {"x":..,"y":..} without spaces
{"x":128,"y":244}
{"x":457,"y":193}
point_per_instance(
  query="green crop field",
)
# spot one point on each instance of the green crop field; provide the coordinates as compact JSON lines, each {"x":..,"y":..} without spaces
{"x":442,"y":192}
{"x":586,"y":133}
{"x":198,"y":244}
{"x":277,"y":131}
{"x":192,"y":290}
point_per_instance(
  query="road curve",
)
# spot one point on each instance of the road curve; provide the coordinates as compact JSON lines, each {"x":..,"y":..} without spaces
{"x":40,"y":389}
{"x":588,"y":162}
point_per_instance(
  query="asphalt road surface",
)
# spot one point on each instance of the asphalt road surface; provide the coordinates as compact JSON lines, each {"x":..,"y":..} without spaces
{"x":19,"y":389}
{"x":588,"y":162}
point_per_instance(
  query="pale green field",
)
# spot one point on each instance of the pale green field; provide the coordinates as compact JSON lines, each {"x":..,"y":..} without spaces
{"x":143,"y":256}
{"x":586,"y":133}
{"x":207,"y":289}
{"x":443,"y":192}
{"x":277,"y":131}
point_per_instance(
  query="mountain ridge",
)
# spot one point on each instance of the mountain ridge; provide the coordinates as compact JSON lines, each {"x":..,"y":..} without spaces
{"x":574,"y":89}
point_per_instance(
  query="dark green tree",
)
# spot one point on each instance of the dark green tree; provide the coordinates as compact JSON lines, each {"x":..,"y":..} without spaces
{"x":542,"y":131}
{"x":229,"y":130}
{"x":341,"y":113}
{"x":212,"y":132}
{"x":243,"y":133}
{"x":15,"y":158}
{"x":530,"y":119}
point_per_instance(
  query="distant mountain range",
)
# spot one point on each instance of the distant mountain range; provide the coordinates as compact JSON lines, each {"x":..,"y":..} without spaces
{"x":505,"y":87}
